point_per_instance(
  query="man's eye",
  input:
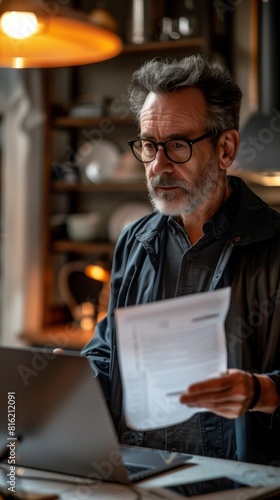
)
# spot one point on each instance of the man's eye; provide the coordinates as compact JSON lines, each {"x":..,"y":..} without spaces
{"x":148,"y":145}
{"x":177,"y":145}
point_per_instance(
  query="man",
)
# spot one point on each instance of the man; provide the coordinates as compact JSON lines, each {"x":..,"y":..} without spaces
{"x":208,"y":231}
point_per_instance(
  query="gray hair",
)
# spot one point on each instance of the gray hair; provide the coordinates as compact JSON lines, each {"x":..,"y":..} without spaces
{"x":161,"y":76}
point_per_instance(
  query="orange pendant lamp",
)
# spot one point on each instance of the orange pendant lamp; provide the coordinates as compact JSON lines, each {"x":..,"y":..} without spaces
{"x":38,"y":34}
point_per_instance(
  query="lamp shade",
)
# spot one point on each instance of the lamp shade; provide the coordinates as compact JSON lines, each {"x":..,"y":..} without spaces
{"x":258,"y":157}
{"x":63,"y":37}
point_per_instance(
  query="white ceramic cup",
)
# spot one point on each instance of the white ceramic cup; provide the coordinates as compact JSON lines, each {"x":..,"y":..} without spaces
{"x":84,"y":227}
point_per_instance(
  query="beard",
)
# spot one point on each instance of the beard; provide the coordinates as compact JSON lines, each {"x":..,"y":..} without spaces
{"x":190,"y":195}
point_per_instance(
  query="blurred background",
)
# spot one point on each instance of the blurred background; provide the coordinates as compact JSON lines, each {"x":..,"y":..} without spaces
{"x":69,"y":184}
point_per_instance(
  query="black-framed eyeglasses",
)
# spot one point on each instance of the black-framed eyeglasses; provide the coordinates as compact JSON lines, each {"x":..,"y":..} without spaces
{"x":176,"y":150}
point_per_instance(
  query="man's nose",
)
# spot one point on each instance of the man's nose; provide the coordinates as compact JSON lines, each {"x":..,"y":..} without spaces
{"x":161,"y":163}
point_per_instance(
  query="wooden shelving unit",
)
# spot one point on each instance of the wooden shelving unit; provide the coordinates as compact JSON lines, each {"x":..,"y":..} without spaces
{"x":103,"y":187}
{"x":95,"y":247}
{"x":191,"y":44}
{"x":72,"y":122}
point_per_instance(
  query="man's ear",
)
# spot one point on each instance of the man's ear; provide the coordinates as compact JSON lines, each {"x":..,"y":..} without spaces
{"x":227,"y":147}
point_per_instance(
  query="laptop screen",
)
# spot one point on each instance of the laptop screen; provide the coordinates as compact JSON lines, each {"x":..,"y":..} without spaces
{"x":53,"y":412}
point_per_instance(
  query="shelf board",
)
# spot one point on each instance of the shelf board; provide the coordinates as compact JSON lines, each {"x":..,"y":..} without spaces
{"x":92,"y":247}
{"x":102,"y":187}
{"x":69,"y":122}
{"x":72,"y":122}
{"x":160,"y":46}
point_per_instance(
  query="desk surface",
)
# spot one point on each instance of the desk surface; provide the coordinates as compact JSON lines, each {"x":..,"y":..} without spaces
{"x":260,"y":478}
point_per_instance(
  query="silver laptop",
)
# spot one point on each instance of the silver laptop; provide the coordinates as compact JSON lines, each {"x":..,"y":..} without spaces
{"x":53,"y":417}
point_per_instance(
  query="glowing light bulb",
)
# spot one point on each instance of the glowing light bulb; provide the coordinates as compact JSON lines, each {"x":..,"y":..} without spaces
{"x":97,"y":272}
{"x":19,"y":25}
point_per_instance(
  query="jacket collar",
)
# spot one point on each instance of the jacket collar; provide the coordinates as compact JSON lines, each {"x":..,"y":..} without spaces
{"x":252,"y":222}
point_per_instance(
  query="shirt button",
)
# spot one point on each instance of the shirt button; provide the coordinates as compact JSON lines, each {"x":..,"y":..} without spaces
{"x":189,"y":256}
{"x":237,"y":238}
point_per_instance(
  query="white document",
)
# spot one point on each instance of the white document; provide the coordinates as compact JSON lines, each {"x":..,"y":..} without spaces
{"x":165,"y":346}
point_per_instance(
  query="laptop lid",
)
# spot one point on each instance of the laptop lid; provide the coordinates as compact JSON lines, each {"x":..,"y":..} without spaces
{"x":53,"y":416}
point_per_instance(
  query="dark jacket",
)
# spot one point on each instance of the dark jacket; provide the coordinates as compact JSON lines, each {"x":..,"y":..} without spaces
{"x":252,"y":324}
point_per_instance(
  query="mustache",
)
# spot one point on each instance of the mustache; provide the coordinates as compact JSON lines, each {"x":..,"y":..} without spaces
{"x":165,"y":181}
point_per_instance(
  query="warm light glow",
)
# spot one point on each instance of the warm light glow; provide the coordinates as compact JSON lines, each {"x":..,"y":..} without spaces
{"x":19,"y":25}
{"x":87,"y":309}
{"x":47,"y":38}
{"x":84,"y":309}
{"x":87,"y":324}
{"x":268,"y":179}
{"x":18,"y":63}
{"x":97,"y":272}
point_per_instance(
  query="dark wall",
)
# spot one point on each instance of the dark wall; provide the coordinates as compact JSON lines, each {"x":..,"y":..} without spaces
{"x":269,"y":54}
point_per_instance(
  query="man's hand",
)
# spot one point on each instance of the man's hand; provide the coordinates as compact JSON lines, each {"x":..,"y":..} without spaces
{"x":231,"y":394}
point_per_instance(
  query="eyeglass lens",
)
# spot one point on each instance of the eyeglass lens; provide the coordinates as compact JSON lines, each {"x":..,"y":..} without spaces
{"x":176,"y":150}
